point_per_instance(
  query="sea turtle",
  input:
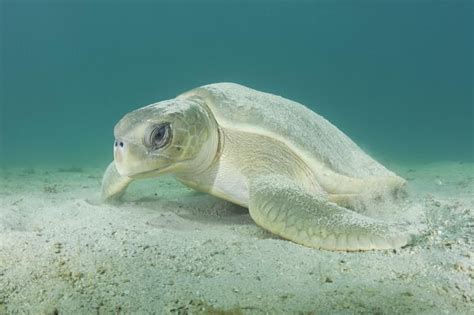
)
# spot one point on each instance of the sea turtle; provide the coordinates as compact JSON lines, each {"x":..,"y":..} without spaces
{"x":300,"y":177}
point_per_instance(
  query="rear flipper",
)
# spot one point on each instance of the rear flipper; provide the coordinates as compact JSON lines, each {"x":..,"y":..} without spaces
{"x":113,"y":184}
{"x":282,"y":207}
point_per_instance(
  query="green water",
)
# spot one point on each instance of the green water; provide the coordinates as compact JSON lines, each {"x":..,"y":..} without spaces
{"x":396,"y":76}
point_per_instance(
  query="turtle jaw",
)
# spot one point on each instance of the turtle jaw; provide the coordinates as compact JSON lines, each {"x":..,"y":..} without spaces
{"x":146,"y":174}
{"x":152,"y":173}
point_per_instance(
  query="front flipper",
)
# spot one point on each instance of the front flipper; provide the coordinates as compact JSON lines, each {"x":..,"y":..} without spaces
{"x":113,"y":184}
{"x":282,"y":207}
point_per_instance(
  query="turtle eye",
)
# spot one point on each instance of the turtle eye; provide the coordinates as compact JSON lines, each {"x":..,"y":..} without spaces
{"x":159,"y":136}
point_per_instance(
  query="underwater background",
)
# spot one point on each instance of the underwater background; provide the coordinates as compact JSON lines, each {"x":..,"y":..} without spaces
{"x":396,"y":76}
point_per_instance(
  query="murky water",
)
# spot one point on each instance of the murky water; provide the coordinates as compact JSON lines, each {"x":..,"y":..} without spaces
{"x":397,"y":77}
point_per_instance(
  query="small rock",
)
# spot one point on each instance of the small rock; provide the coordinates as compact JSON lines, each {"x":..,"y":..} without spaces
{"x":459,"y":266}
{"x":101,"y":270}
{"x":77,"y":275}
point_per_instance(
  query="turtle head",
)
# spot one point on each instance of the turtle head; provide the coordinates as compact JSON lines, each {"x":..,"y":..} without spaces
{"x":173,"y":136}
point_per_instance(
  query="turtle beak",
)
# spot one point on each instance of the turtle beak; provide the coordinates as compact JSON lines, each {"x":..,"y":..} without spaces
{"x":119,"y":147}
{"x":122,"y":156}
{"x":130,"y":159}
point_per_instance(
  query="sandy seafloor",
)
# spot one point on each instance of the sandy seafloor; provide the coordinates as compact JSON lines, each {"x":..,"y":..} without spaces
{"x":168,"y":249}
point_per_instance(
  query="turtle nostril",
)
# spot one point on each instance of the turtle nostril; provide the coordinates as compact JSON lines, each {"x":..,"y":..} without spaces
{"x":119,"y":143}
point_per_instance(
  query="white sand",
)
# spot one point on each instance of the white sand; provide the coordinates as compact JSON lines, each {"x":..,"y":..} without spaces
{"x":168,"y":249}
